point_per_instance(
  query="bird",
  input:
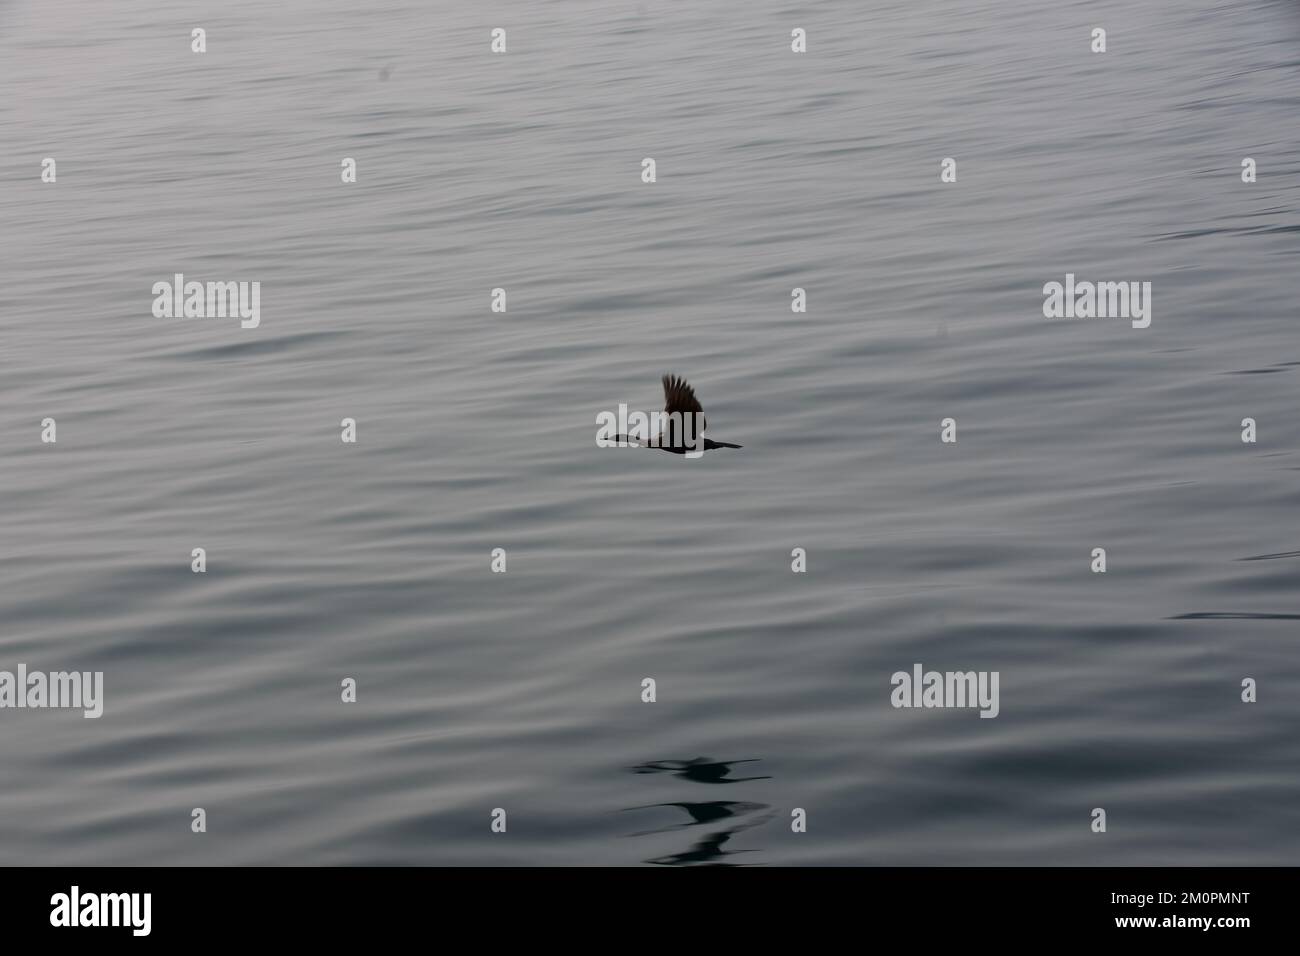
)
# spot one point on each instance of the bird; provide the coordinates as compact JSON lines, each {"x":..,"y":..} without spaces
{"x":679,"y":399}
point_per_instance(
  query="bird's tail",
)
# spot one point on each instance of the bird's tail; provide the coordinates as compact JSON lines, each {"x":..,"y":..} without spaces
{"x":710,"y":444}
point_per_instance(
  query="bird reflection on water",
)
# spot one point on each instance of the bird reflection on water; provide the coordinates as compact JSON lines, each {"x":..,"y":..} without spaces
{"x":708,"y":850}
{"x":710,"y":812}
{"x":700,"y":769}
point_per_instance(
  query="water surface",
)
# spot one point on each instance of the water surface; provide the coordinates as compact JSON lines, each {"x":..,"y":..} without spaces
{"x":522,"y":690}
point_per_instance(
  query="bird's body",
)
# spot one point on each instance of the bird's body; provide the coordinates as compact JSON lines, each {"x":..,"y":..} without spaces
{"x":677,"y":436}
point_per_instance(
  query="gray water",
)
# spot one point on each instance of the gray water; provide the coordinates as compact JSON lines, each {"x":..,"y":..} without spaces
{"x":522,"y":691}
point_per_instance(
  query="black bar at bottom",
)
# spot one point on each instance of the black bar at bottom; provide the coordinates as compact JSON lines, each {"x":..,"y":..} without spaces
{"x":374,"y":905}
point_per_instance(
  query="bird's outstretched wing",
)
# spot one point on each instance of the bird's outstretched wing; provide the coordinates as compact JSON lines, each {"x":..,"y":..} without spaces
{"x":680,"y":397}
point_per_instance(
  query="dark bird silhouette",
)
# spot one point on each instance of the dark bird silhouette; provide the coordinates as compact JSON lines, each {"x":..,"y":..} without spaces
{"x":680,"y":400}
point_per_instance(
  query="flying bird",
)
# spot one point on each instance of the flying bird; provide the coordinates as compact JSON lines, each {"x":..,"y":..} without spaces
{"x":679,"y":399}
